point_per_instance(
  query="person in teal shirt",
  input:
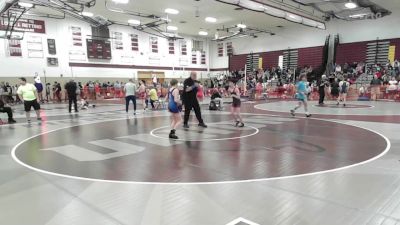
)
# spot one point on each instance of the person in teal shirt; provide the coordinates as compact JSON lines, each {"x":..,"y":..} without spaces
{"x":301,"y":95}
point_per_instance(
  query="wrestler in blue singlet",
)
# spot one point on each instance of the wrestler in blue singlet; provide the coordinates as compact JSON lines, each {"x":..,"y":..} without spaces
{"x":172,"y":106}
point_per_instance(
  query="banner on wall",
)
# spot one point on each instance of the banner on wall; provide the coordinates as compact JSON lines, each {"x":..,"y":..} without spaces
{"x":24,"y":25}
{"x":117,"y":41}
{"x":14,"y":48}
{"x":76,"y":34}
{"x":35,"y":47}
{"x":392,"y":52}
{"x":260,"y":63}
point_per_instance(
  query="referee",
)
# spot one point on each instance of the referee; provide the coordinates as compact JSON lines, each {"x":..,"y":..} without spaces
{"x":190,"y":87}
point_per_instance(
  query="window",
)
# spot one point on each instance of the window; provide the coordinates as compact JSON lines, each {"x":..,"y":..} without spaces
{"x":229,"y":48}
{"x":171,"y":47}
{"x":194,"y":57}
{"x":203,"y":58}
{"x":154,"y":44}
{"x":183,"y":48}
{"x":220,"y":49}
{"x":134,"y":42}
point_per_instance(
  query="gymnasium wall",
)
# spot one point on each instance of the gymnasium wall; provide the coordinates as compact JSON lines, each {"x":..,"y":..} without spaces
{"x":124,"y":63}
{"x":301,"y":37}
{"x":311,"y":56}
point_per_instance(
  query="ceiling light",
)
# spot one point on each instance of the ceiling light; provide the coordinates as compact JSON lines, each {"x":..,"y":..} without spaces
{"x":294,"y":18}
{"x":203,"y":33}
{"x":211,"y":19}
{"x":25,"y":4}
{"x":242,"y":26}
{"x":121,"y":1}
{"x":358,"y":15}
{"x":88,"y":14}
{"x":172,"y":28}
{"x":350,"y":5}
{"x":134,"y":22}
{"x":171,"y":11}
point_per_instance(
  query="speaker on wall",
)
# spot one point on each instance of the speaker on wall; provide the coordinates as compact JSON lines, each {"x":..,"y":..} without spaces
{"x":51,"y":45}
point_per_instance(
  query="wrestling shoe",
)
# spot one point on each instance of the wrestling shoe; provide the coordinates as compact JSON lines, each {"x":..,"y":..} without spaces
{"x":202,"y":125}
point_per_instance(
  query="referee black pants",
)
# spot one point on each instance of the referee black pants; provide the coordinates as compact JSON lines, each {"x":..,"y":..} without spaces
{"x":189,"y":105}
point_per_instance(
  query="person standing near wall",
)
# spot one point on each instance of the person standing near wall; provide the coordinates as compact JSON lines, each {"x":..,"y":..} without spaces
{"x":130,"y":95}
{"x":72,"y":90}
{"x":376,"y":84}
{"x":58,"y":91}
{"x":153,"y":96}
{"x":39,"y":87}
{"x":28,"y":94}
{"x":143,"y":94}
{"x":190,"y":86}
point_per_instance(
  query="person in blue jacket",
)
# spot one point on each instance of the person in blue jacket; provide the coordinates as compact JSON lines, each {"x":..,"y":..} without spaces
{"x":301,"y":95}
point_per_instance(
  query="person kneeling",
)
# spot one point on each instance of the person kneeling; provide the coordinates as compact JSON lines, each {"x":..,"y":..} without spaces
{"x":8,"y":110}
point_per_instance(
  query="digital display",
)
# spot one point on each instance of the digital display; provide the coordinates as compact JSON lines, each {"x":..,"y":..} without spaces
{"x":98,"y":49}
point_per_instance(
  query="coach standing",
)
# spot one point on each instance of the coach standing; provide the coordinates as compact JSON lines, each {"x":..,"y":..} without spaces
{"x":190,"y":101}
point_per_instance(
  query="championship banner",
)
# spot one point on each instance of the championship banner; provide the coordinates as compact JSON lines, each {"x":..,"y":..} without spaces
{"x":392,"y":51}
{"x":24,"y":25}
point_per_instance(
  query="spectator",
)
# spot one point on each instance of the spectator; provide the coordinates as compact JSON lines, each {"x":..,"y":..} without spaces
{"x":130,"y":95}
{"x":57,"y":87}
{"x":39,"y":87}
{"x":153,"y":96}
{"x":375,"y":87}
{"x":8,"y":110}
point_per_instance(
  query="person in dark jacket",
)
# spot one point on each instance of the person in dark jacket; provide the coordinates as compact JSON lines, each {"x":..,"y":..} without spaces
{"x":190,"y":86}
{"x":71,"y":88}
{"x":4,"y":109}
{"x":322,"y":85}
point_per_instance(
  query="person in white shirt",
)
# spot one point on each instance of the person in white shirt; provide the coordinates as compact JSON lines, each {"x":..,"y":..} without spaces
{"x":344,"y":86}
{"x":130,"y":95}
{"x":362,"y":91}
{"x":393,"y":84}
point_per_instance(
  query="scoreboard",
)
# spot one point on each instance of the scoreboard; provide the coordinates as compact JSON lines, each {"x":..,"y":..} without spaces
{"x":98,"y":49}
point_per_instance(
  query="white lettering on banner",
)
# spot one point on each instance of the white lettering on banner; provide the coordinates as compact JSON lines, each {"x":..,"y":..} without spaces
{"x":123,"y":149}
{"x":36,"y":26}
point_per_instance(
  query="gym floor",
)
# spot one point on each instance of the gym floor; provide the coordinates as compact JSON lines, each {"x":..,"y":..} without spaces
{"x":103,"y":166}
